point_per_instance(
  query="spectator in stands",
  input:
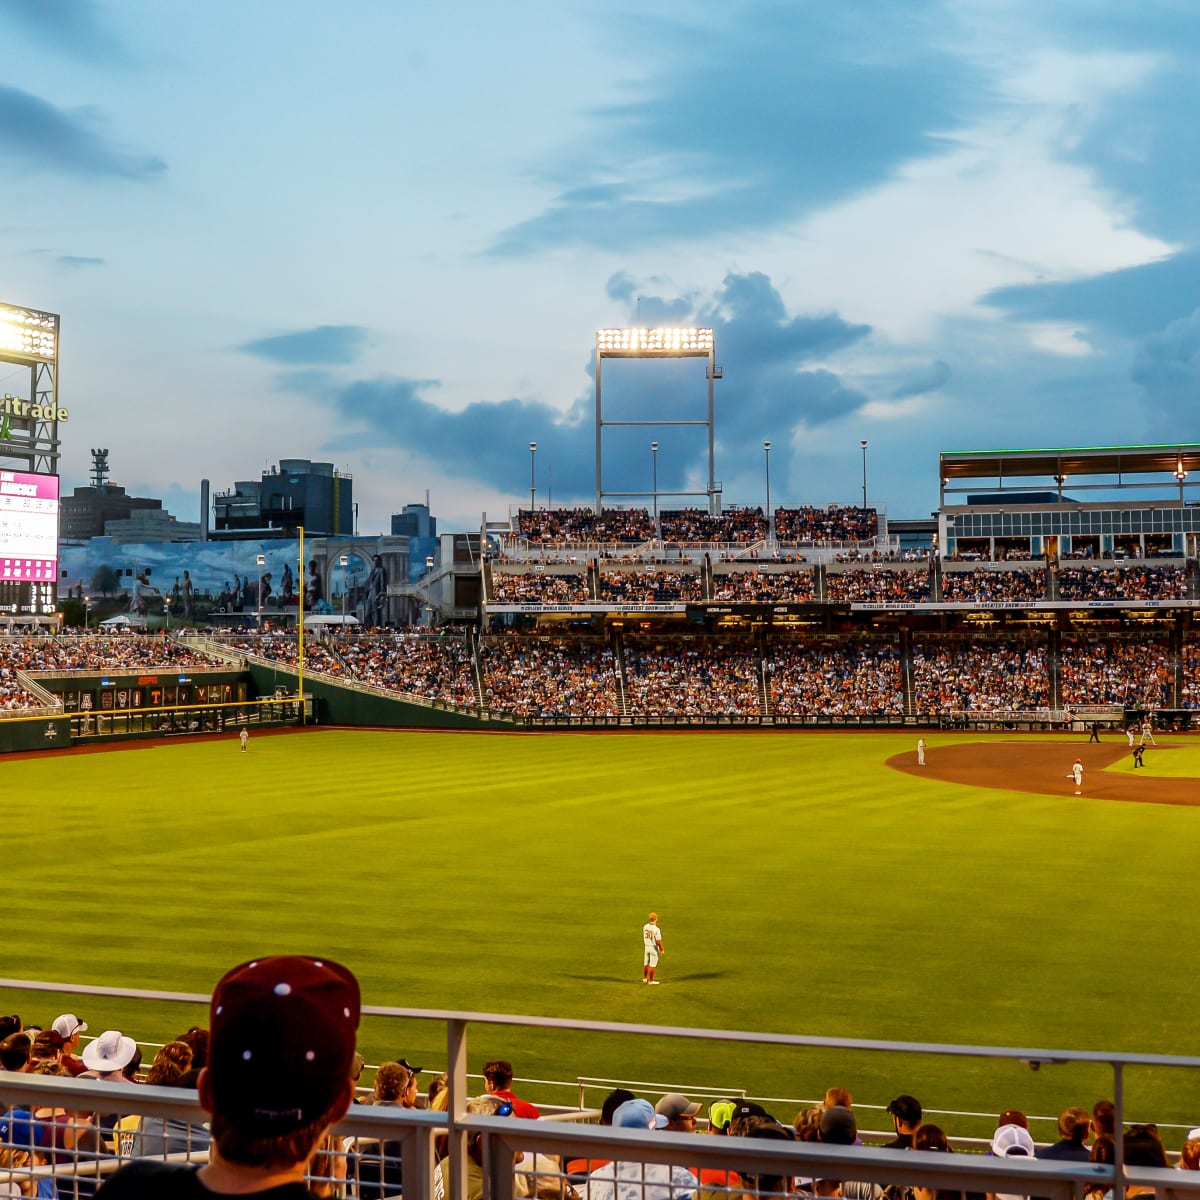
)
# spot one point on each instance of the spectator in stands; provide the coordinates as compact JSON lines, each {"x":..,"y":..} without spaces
{"x":636,"y":1180}
{"x":838,"y":1097}
{"x":577,"y":1169}
{"x":1143,"y":1148}
{"x":379,"y":1169}
{"x":16,"y":1053}
{"x":483,"y":1106}
{"x":1104,"y":1118}
{"x":47,"y":1047}
{"x":679,"y":1111}
{"x":839,"y":1128}
{"x":10,"y":1024}
{"x":1189,"y":1156}
{"x":1072,"y":1137}
{"x":905,"y":1112}
{"x":170,"y":1064}
{"x":196,"y":1037}
{"x":931,"y":1137}
{"x":497,"y":1080}
{"x":72,"y":1029}
{"x":283,"y":1033}
{"x":764,"y":1126}
{"x":439,"y":1086}
{"x":808,"y":1124}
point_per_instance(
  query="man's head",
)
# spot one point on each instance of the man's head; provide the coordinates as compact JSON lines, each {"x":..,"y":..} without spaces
{"x":637,"y":1114}
{"x":497,"y":1075}
{"x":48,"y":1044}
{"x":906,"y":1113}
{"x":612,"y":1102}
{"x":110,"y":1053}
{"x":1013,"y":1116}
{"x":70,"y":1027}
{"x":653,"y":918}
{"x":679,"y":1111}
{"x":1073,"y":1125}
{"x":838,"y":1126}
{"x":281,"y":1045}
{"x":16,"y":1052}
{"x":1012,"y":1141}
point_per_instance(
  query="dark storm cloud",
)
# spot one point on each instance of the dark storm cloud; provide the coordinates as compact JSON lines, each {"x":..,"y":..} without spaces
{"x":750,"y":127}
{"x":1129,"y":303}
{"x":932,"y":379}
{"x":73,"y":27}
{"x":769,"y":388}
{"x":325,"y":345}
{"x":1167,"y":367}
{"x":35,"y":132}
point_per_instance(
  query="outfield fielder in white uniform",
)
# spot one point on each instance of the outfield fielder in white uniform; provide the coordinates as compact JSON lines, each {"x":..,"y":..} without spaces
{"x":652,"y":948}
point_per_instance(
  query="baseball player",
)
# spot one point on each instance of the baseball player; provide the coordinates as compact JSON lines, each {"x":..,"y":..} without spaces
{"x":1077,"y":775}
{"x":652,"y":944}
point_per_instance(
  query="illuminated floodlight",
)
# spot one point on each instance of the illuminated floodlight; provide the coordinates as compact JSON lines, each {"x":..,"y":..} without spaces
{"x":652,"y":343}
{"x":28,"y":335}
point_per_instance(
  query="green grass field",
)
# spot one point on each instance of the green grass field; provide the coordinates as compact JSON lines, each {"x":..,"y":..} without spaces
{"x":802,"y":887}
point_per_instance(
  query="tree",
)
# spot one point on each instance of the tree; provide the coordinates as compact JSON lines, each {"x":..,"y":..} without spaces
{"x":106,"y":580}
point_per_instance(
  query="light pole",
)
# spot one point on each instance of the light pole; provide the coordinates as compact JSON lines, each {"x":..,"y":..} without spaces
{"x":770,"y":515}
{"x":344,"y":562}
{"x":654,"y":482}
{"x":863,"y":444}
{"x":1180,"y":475}
{"x":87,"y":612}
{"x":261,"y":561}
{"x":532,"y":476}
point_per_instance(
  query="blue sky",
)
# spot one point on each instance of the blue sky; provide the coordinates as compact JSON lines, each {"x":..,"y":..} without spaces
{"x":384,"y":235}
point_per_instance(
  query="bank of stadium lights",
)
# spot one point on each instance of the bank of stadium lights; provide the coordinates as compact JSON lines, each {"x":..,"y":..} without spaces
{"x":28,"y":334}
{"x":654,"y":341}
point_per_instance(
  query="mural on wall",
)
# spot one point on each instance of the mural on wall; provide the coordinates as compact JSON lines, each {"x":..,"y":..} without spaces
{"x":222,"y":581}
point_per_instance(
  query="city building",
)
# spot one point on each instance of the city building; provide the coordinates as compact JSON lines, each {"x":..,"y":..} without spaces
{"x":296,"y":493}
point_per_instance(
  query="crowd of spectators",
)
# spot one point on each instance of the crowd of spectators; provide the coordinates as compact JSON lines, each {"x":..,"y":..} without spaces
{"x":990,"y":587}
{"x":651,"y":587}
{"x":1133,"y":671}
{"x":877,"y":585}
{"x":738,"y":525}
{"x":835,"y":677}
{"x":570,"y":526}
{"x":108,"y":652}
{"x":826,"y":526}
{"x":539,"y":678}
{"x":692,"y":679}
{"x":539,"y":587}
{"x":1122,"y":583}
{"x":975,"y":675}
{"x":264,"y":1011}
{"x":764,"y":587}
{"x":1190,"y":696}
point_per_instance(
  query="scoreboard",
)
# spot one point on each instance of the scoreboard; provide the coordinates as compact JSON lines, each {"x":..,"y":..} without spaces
{"x":28,"y":541}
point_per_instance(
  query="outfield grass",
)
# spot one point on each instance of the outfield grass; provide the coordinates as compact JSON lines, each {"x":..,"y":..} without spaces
{"x":802,"y":887}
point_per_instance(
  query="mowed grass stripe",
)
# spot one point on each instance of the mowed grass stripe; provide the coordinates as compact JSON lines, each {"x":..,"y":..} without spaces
{"x":803,"y":887}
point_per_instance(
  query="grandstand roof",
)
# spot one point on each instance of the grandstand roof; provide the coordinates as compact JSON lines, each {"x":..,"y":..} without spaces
{"x":1118,"y":461}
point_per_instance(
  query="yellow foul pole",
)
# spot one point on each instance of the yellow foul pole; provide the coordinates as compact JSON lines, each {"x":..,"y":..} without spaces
{"x":300,"y":622}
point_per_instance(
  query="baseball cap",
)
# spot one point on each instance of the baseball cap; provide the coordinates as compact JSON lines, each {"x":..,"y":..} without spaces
{"x":637,"y":1114}
{"x":1192,"y":1133}
{"x":907,"y":1108}
{"x":653,"y":917}
{"x":747,"y":1108}
{"x":838,"y":1126}
{"x":282,"y":1041}
{"x":674,"y":1105}
{"x":111,"y":1051}
{"x":68,"y":1025}
{"x":409,"y":1067}
{"x":1012,"y":1141}
{"x":720,"y":1114}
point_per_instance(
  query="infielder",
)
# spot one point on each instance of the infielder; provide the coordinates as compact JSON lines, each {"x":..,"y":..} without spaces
{"x":920,"y":752}
{"x":1077,"y":775}
{"x":1148,"y":732}
{"x":652,"y":948}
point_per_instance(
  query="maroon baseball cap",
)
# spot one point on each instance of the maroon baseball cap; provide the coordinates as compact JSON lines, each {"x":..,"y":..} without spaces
{"x":282,"y":1041}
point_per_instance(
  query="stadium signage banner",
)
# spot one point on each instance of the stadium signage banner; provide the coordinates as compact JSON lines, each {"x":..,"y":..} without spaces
{"x":977,"y":606}
{"x":14,"y":406}
{"x":28,"y":527}
{"x":585,"y":608}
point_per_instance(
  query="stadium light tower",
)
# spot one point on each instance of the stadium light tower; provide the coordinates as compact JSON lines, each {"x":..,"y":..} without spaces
{"x":863,"y":443}
{"x":655,"y":343}
{"x":770,"y":515}
{"x":1180,"y":475}
{"x":532,"y":475}
{"x":344,"y":562}
{"x":29,"y":340}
